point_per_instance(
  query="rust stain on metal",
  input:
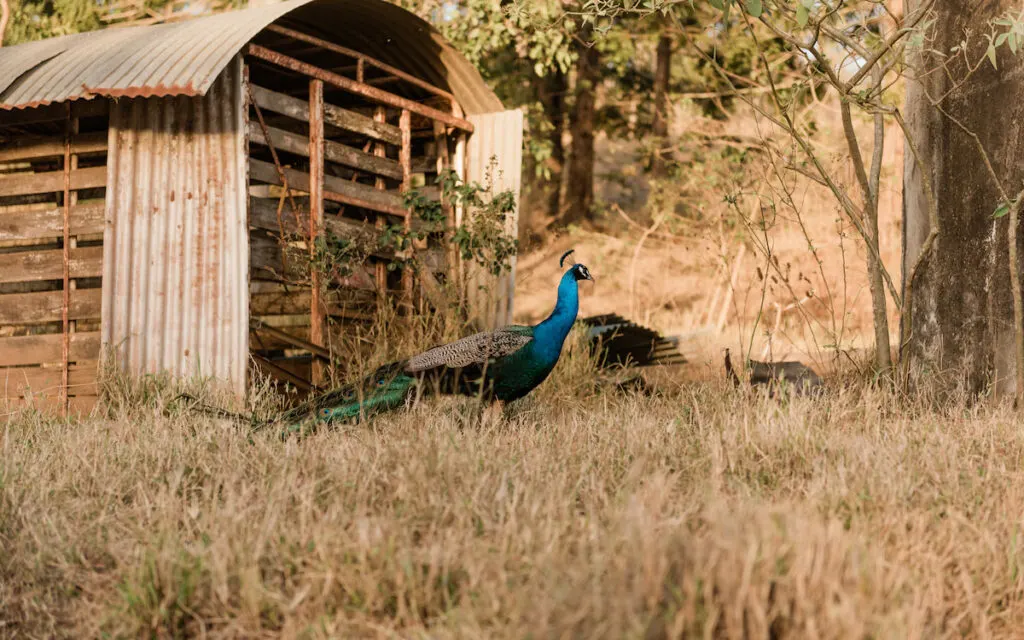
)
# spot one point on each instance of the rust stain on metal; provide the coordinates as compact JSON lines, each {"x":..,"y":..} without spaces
{"x":360,"y":89}
{"x":175,"y":282}
{"x":184,"y":58}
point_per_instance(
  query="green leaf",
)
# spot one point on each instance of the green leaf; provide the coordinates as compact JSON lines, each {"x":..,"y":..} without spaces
{"x":991,"y":53}
{"x":754,"y":8}
{"x":1001,"y":210}
{"x":1013,"y":43}
{"x":717,"y":4}
{"x":802,"y":15}
{"x":808,"y":4}
{"x":1001,"y":39}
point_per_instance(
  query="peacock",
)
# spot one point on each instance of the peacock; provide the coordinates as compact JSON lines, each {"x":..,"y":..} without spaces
{"x":498,"y":366}
{"x":618,"y":342}
{"x":797,"y":376}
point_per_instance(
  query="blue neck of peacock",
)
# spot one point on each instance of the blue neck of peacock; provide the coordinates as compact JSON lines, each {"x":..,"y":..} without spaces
{"x":550,"y":334}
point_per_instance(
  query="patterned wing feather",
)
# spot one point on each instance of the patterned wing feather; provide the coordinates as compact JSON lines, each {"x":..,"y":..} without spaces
{"x":476,"y":349}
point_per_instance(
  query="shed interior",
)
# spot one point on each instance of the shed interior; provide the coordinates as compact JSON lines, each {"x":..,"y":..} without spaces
{"x":349,"y":134}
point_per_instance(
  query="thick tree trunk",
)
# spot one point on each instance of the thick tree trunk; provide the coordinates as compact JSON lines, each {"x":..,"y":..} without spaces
{"x":580,"y":189}
{"x":662,"y":75}
{"x":551,"y":91}
{"x":957,"y":281}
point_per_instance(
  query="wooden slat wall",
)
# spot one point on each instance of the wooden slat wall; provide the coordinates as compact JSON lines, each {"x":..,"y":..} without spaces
{"x":365,"y":173}
{"x":32,"y":261}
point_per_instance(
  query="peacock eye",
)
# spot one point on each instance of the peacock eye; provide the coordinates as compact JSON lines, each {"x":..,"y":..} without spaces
{"x":325,"y":413}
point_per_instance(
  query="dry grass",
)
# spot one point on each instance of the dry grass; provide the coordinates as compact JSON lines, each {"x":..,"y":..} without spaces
{"x":700,"y":512}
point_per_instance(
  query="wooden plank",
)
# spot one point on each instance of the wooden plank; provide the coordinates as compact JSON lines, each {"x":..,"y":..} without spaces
{"x":54,"y":112}
{"x":266,"y":264}
{"x":405,"y":159}
{"x":263,"y":215}
{"x":317,"y":312}
{"x":333,"y":116}
{"x":335,"y":189}
{"x":77,"y":406}
{"x":363,"y":59}
{"x":19,"y":381}
{"x":297,"y":301}
{"x":31,"y":223}
{"x":266,"y":342}
{"x":358,"y":88}
{"x":296,"y":342}
{"x":33,"y":266}
{"x":21,"y":184}
{"x":43,"y":147}
{"x":333,"y":151}
{"x":424,"y":164}
{"x":273,"y":370}
{"x":45,"y":306}
{"x":25,"y":350}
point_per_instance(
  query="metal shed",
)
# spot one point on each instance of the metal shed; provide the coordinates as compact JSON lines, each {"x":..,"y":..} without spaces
{"x":158,"y":182}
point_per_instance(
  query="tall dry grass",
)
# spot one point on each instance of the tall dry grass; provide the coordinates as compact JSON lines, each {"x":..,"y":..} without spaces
{"x":698,"y":512}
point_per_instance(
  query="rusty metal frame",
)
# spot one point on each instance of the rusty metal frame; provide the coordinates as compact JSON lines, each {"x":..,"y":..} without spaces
{"x":257,"y":325}
{"x":283,"y":374}
{"x":405,"y":159}
{"x":358,"y":88}
{"x":317,"y":317}
{"x":66,"y":299}
{"x":362,"y":60}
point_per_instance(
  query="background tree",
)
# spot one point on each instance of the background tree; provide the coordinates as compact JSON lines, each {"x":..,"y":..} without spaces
{"x":962,"y":198}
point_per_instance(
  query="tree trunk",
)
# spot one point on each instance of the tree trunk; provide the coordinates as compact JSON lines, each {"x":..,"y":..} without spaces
{"x":662,"y":74}
{"x":580,"y":190}
{"x":956,"y":277}
{"x":551,"y":90}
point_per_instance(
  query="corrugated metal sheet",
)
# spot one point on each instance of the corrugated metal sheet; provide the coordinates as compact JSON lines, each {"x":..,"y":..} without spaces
{"x":498,"y":138}
{"x":184,"y":58}
{"x":176,"y":250}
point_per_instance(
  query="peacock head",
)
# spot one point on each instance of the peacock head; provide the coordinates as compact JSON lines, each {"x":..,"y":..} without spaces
{"x":579,"y":271}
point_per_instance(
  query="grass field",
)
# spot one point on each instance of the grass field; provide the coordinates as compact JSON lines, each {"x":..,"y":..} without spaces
{"x":587,"y":513}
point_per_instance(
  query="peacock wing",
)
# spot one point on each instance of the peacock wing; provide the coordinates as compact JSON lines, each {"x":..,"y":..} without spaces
{"x":475,"y":349}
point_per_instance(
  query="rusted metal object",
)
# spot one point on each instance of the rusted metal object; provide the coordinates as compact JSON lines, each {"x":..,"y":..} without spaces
{"x":283,"y":374}
{"x":443,"y":165}
{"x":361,"y":61}
{"x":379,"y":115}
{"x":318,"y":351}
{"x":317,"y":317}
{"x":405,"y":159}
{"x":358,"y":88}
{"x":184,"y":58}
{"x":176,"y":248}
{"x":66,"y":248}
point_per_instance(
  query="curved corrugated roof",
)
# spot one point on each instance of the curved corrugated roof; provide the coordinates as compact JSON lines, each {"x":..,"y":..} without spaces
{"x":184,"y":58}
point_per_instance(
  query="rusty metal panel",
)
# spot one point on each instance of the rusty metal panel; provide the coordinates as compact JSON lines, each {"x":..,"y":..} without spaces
{"x":497,"y":138}
{"x":184,"y":58}
{"x":176,"y":250}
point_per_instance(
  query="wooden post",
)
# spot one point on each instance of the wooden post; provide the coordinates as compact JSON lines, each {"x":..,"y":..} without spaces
{"x":443,"y":164}
{"x":66,"y":300}
{"x":405,"y":159}
{"x":380,"y":269}
{"x":317,"y":320}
